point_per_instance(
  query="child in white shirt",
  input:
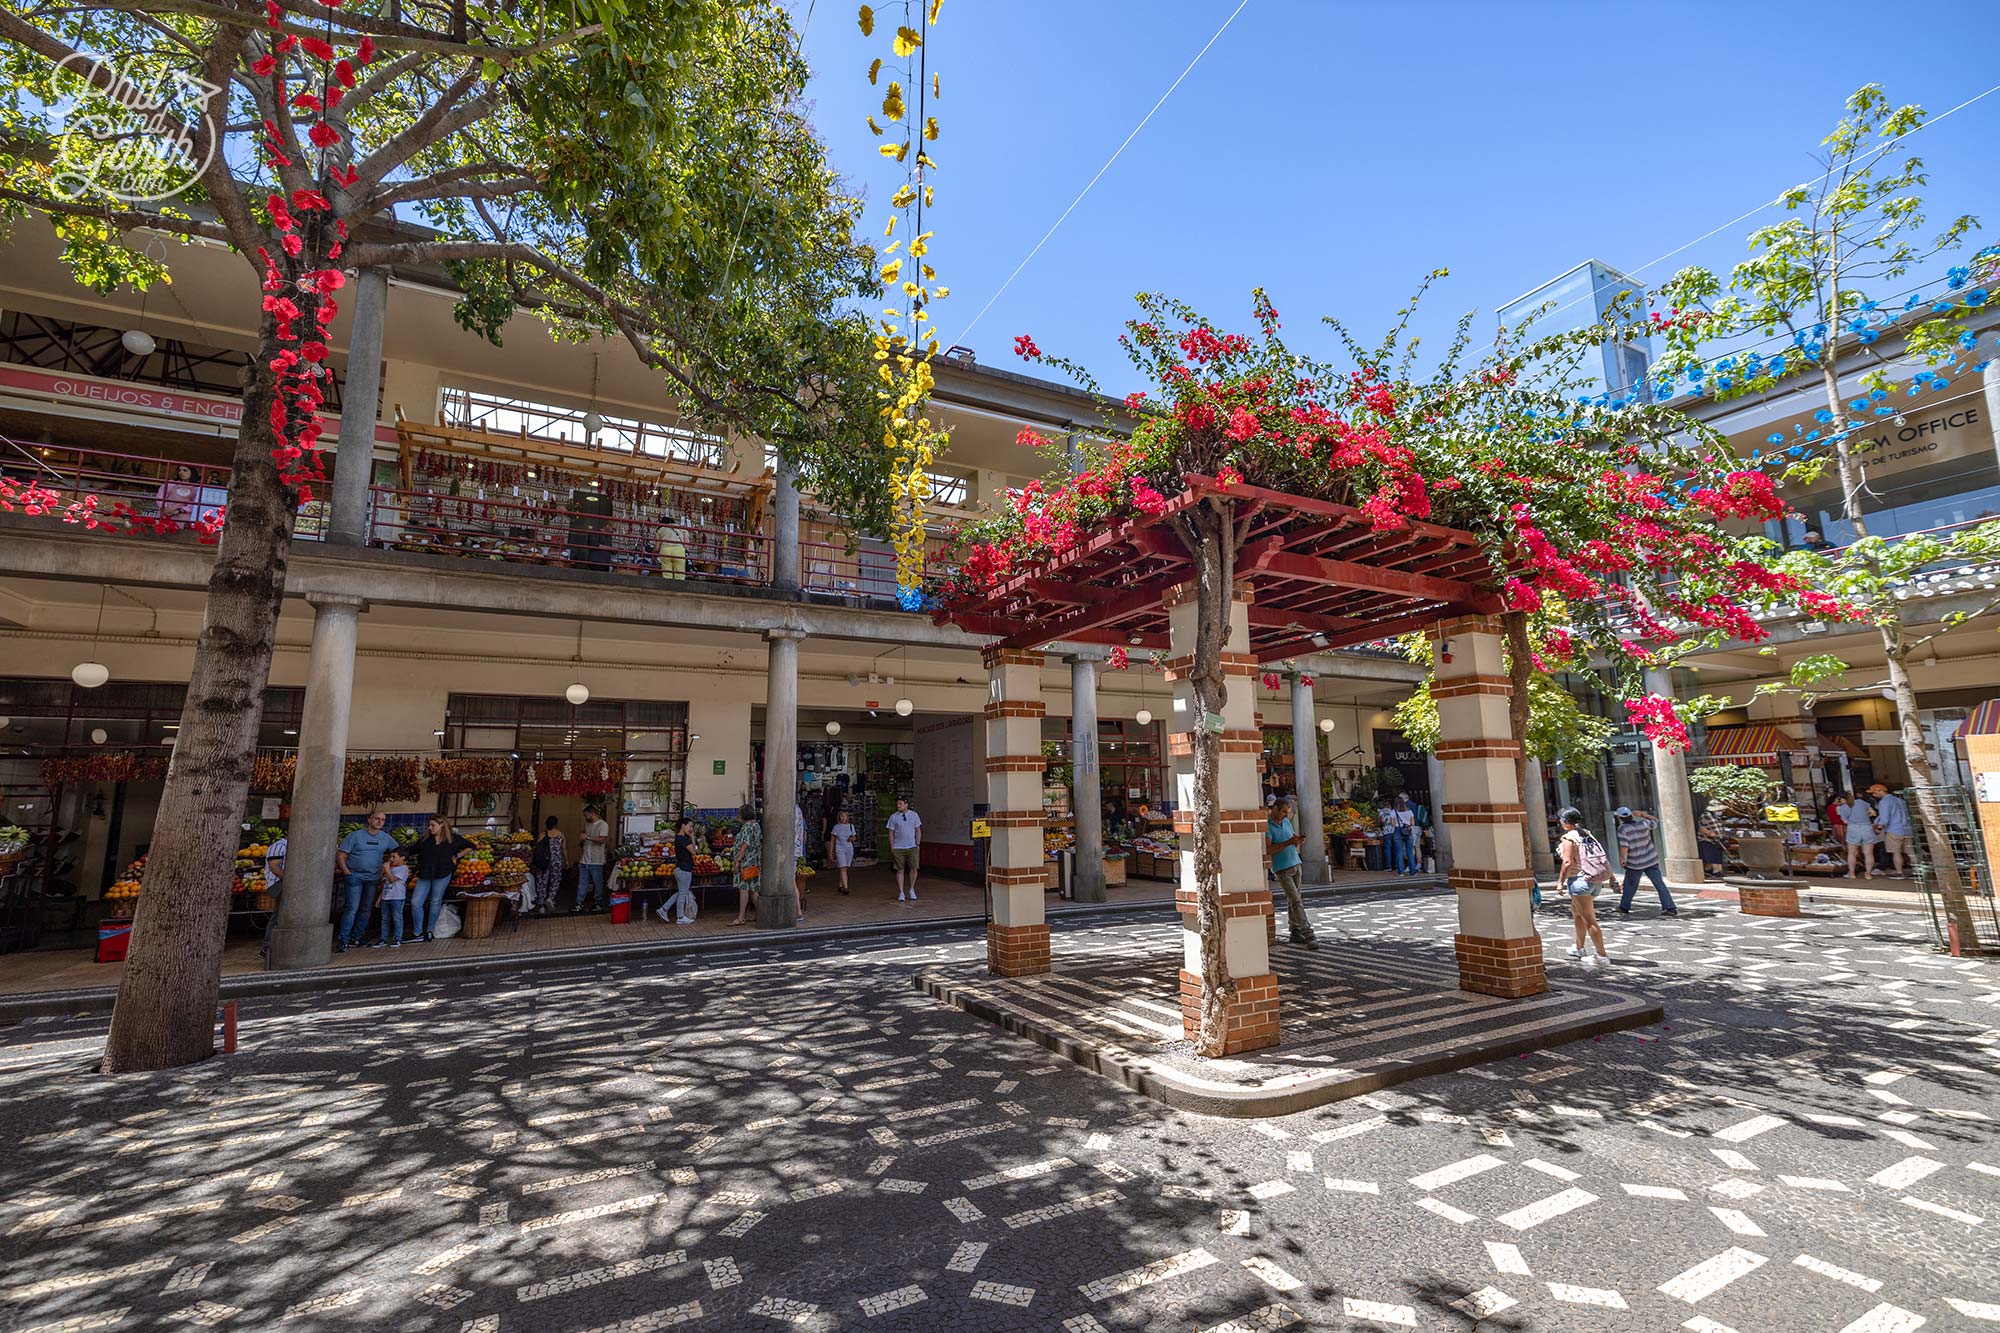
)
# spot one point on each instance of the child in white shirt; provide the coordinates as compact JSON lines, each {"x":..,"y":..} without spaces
{"x":395,"y":889}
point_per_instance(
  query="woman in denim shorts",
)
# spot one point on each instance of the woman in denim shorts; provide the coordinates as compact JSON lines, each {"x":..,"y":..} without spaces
{"x":1585,"y":867}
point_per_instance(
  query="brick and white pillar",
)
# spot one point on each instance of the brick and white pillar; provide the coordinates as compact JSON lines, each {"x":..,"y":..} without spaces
{"x":1017,"y":940}
{"x":1499,"y":952}
{"x":1251,"y":1018}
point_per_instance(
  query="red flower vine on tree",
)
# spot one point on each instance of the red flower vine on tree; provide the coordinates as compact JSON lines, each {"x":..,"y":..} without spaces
{"x":1604,"y":521}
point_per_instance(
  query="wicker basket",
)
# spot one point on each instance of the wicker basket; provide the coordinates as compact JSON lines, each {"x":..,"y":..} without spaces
{"x":514,"y":881}
{"x":263,"y":902}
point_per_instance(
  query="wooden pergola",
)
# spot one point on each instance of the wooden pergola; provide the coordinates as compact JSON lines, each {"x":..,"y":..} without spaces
{"x":1310,"y":575}
{"x":1323,"y":578}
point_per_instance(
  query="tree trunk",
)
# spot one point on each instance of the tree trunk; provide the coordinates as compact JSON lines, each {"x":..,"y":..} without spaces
{"x":1888,"y":613}
{"x":165,"y":1013}
{"x":1937,"y":848}
{"x":1215,"y":577}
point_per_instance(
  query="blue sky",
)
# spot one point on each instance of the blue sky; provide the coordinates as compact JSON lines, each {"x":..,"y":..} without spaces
{"x":1336,"y":152}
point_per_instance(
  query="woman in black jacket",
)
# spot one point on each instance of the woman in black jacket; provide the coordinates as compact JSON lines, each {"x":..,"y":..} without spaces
{"x":436,"y":855}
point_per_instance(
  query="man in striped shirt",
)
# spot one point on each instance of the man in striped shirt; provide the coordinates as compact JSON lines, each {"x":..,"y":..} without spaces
{"x":1641,"y":855}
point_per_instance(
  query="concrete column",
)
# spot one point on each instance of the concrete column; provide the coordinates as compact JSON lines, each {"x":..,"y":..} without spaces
{"x":1989,"y":380}
{"x":785,"y":531}
{"x":1087,"y":884}
{"x":777,"y":893}
{"x":1499,"y":952}
{"x":1246,"y":911}
{"x":1305,"y":771}
{"x":1541,"y":856}
{"x":304,"y":934}
{"x":1440,"y":831}
{"x":1679,"y":851}
{"x":1017,"y":939}
{"x":354,"y":460}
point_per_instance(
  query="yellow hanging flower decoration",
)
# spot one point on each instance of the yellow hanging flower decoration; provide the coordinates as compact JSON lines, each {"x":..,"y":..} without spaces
{"x":892,"y":270}
{"x":937,"y":88}
{"x":907,"y":41}
{"x":874,"y":128}
{"x":895,"y":150}
{"x":867,"y":21}
{"x":936,"y":5}
{"x":904,"y":197}
{"x":892,"y":101}
{"x":930,"y":127}
{"x":874,"y":70}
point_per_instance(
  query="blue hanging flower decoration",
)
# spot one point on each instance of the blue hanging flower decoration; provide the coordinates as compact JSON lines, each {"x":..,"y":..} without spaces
{"x":1957,"y":276}
{"x":910,"y":599}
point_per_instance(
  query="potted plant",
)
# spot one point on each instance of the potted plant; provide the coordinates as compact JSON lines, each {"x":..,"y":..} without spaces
{"x":1743,"y":791}
{"x":13,"y":843}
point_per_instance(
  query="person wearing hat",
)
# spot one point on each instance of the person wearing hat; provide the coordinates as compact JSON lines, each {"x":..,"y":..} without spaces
{"x":1640,"y":852}
{"x":1892,"y":821}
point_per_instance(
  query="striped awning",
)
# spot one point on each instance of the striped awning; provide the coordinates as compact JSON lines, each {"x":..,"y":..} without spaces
{"x":1750,"y":743}
{"x":1984,"y":720}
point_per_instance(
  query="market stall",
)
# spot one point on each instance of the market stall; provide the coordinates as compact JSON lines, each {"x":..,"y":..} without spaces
{"x":644,"y":868}
{"x":527,"y":498}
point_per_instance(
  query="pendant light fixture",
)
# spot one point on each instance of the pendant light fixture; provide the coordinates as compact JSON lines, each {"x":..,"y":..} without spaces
{"x":98,"y":735}
{"x":1326,"y":726}
{"x":93,"y":673}
{"x":135,"y":339}
{"x":1144,"y":717}
{"x":593,"y":420}
{"x":578,"y":693}
{"x":833,"y":728}
{"x":904,"y":707}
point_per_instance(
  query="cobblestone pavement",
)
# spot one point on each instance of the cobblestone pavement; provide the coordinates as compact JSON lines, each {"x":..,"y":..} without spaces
{"x":809,"y":1143}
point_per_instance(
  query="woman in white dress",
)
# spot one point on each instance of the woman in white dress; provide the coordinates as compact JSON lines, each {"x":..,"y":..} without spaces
{"x":843,"y":846}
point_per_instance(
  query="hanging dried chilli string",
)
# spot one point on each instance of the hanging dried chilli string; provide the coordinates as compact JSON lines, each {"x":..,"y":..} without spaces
{"x":905,"y":341}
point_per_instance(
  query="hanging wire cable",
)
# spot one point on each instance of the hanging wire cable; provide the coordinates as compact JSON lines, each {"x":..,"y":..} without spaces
{"x":967,"y":330}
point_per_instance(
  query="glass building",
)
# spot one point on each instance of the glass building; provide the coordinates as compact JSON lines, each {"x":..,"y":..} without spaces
{"x":1583,"y":296}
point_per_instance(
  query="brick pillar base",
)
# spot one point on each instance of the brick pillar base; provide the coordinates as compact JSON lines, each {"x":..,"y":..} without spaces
{"x":1510,"y":969}
{"x":1767,"y":902}
{"x":1017,"y":951}
{"x":1250,"y":1021}
{"x":1271,"y":926}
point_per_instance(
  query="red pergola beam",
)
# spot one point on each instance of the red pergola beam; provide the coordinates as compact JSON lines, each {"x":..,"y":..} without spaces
{"x":1350,"y":574}
{"x":1146,"y":597}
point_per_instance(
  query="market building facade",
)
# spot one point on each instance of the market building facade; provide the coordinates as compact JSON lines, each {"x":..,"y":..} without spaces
{"x":1932,"y":467}
{"x":547,"y":580}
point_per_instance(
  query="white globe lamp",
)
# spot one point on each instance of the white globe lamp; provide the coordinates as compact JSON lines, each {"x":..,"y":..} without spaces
{"x":578,"y":694}
{"x":90,"y":674}
{"x":1326,"y":726}
{"x":138,"y":342}
{"x":833,"y":728}
{"x":1144,"y":717}
{"x":904,"y":708}
{"x":98,"y":735}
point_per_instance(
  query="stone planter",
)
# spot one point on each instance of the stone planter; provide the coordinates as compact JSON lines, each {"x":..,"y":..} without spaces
{"x":1766,"y":897}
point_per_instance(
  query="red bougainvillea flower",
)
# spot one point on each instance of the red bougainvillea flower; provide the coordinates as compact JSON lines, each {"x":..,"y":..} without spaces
{"x":1228,"y":477}
{"x":1242,"y":425}
{"x":1024,"y":346}
{"x":1657,"y":718}
{"x":1116,"y":659}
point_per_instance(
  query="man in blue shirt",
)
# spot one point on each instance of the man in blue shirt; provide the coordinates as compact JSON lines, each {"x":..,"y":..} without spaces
{"x":359,"y":862}
{"x":1892,"y":821}
{"x":1284,"y":841}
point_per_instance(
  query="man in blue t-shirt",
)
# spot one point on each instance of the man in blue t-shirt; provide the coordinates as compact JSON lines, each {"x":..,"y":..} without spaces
{"x":1892,"y":821}
{"x":1284,"y":841}
{"x":359,"y":863}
